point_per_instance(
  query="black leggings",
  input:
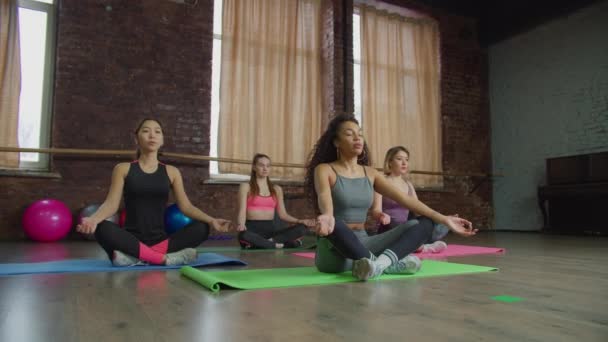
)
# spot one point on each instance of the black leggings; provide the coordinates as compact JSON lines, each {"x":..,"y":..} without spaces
{"x":439,"y":230}
{"x":344,"y":245}
{"x":112,"y":238}
{"x":259,"y":232}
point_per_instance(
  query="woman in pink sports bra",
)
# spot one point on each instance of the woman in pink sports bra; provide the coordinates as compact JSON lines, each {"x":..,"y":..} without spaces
{"x":258,"y":201}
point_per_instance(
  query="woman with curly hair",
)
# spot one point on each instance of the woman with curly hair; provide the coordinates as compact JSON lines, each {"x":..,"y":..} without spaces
{"x":341,"y":185}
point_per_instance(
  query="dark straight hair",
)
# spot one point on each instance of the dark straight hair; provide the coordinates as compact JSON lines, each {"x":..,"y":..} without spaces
{"x":139,"y":126}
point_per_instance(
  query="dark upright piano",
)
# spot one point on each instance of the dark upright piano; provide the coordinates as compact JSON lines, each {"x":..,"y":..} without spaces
{"x":575,"y":199}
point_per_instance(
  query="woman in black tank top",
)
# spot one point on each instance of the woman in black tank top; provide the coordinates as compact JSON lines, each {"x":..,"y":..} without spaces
{"x":145,"y":185}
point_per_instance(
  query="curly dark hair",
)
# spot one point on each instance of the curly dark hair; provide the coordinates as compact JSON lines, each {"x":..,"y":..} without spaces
{"x":324,"y":151}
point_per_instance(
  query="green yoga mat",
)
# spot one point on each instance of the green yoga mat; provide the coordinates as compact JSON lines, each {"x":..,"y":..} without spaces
{"x":302,"y":276}
{"x":226,"y":249}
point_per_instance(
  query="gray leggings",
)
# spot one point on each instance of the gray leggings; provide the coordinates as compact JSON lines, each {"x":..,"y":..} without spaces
{"x":329,"y":260}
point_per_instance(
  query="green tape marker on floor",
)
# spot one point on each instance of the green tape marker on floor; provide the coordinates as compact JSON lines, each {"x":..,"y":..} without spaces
{"x":507,"y":299}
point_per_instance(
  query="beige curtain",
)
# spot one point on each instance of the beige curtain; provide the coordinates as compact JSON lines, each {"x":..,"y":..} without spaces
{"x":400,"y":89}
{"x":270,"y":88}
{"x":10,"y":81}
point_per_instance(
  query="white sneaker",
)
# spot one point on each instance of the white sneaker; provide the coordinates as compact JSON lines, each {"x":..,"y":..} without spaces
{"x":183,"y":257}
{"x":408,"y":265}
{"x":435,"y":247}
{"x":364,"y":269}
{"x":124,"y":260}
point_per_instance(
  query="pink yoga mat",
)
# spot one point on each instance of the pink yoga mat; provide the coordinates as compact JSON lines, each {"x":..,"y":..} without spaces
{"x":452,"y":250}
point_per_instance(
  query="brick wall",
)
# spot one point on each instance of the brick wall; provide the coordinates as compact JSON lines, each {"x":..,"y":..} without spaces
{"x":120,"y":61}
{"x":465,"y":121}
{"x":548,"y":95}
{"x":116,"y":63}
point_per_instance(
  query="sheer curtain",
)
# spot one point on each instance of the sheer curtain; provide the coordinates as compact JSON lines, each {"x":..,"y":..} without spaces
{"x":270,"y":82}
{"x":400,"y":88}
{"x":10,"y":80}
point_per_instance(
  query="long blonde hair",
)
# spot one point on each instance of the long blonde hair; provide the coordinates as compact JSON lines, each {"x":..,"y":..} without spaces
{"x":390,"y":154}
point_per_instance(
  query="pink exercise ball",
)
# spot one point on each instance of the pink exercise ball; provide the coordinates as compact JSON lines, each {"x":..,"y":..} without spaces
{"x":47,"y":220}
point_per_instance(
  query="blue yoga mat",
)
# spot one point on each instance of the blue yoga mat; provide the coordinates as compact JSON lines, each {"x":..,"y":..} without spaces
{"x":104,"y":265}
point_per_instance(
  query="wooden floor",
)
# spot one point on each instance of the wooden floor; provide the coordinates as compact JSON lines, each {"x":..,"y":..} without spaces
{"x":562,"y":279}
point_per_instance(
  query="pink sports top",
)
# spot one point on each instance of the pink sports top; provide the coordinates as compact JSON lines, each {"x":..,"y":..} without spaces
{"x":261,"y":203}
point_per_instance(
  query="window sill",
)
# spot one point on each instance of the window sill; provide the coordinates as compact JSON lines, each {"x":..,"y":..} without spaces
{"x":28,"y":173}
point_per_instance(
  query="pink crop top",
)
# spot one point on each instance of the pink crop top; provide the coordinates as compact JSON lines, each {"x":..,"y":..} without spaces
{"x":261,"y":203}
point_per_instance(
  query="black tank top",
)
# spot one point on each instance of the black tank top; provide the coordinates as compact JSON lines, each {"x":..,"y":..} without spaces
{"x":146,"y":196}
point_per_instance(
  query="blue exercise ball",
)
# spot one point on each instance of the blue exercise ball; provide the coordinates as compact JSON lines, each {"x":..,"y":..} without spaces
{"x":175,"y":219}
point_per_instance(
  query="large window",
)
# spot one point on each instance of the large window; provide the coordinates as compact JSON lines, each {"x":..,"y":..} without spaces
{"x":266,"y":83}
{"x":396,"y":84}
{"x":37,"y":41}
{"x":215,"y":83}
{"x":357,"y":63}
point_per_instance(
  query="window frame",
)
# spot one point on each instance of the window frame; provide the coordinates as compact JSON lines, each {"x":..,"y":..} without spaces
{"x":47,"y":81}
{"x":357,"y":63}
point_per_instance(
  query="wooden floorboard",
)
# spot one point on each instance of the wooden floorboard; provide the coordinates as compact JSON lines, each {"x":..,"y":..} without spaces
{"x":563,"y":281}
